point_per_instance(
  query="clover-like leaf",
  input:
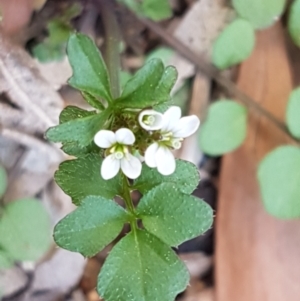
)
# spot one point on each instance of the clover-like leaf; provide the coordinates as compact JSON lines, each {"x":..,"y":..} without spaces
{"x":186,"y":177}
{"x":89,"y":71}
{"x":293,"y":113}
{"x":5,"y":261}
{"x":294,"y":22}
{"x":81,"y":130}
{"x":224,"y":129}
{"x":3,"y":181}
{"x":260,"y":13}
{"x":234,"y":44}
{"x":25,"y":232}
{"x":173,"y":216}
{"x":81,"y":178}
{"x":141,"y":267}
{"x":149,"y":87}
{"x":91,"y":227}
{"x":279,"y":178}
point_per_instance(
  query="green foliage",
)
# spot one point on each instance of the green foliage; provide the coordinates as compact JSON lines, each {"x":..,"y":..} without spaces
{"x":169,"y":214}
{"x":293,"y":113}
{"x":81,"y":177}
{"x":260,"y":14}
{"x":164,"y":53}
{"x":150,"y":86}
{"x":25,"y":230}
{"x":154,"y":9}
{"x":142,"y":266}
{"x":294,"y":22}
{"x":151,"y":271}
{"x":3,"y":181}
{"x":53,"y":48}
{"x":234,"y":44}
{"x":186,"y":177}
{"x":88,"y":230}
{"x":279,"y":178}
{"x":89,"y":71}
{"x":224,"y":129}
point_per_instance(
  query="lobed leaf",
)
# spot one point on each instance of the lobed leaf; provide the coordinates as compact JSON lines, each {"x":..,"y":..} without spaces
{"x":91,"y":227}
{"x":260,"y":13}
{"x":142,"y":268}
{"x":25,"y":232}
{"x":186,"y":177}
{"x":224,"y":129}
{"x":89,"y":71}
{"x":293,"y":113}
{"x":149,"y":87}
{"x":279,"y":178}
{"x":173,"y":216}
{"x":234,"y":44}
{"x":81,"y":178}
{"x":5,"y":261}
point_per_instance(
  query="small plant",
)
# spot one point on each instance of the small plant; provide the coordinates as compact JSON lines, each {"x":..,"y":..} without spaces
{"x":110,"y":143}
{"x":24,"y":229}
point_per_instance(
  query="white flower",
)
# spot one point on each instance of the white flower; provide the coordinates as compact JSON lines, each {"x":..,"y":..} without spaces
{"x":173,"y":131}
{"x":150,"y":120}
{"x":119,"y":156}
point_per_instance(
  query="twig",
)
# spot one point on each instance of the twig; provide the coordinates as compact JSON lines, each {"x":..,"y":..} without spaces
{"x":212,"y":72}
{"x":112,"y":42}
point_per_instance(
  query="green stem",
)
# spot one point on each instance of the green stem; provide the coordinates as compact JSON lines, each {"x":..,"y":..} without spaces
{"x":129,"y":203}
{"x":112,"y":45}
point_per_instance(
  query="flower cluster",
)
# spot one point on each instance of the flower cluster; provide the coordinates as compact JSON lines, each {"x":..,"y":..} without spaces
{"x":165,"y":132}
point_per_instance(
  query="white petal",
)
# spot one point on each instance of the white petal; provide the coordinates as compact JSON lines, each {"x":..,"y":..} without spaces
{"x":131,"y":166}
{"x":105,"y":139}
{"x":186,"y":126}
{"x":171,"y":118}
{"x":125,"y":136}
{"x":158,"y":123}
{"x":150,"y":155}
{"x":165,"y":160}
{"x":110,"y":167}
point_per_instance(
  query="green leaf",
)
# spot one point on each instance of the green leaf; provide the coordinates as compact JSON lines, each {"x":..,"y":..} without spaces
{"x":224,"y":129}
{"x":71,"y":112}
{"x":5,"y":261}
{"x":89,"y":71}
{"x":294,"y":22}
{"x":234,"y":44}
{"x":142,"y":268}
{"x":279,"y":178}
{"x":173,"y":216}
{"x":186,"y":177}
{"x":293,"y":113}
{"x":59,"y":32}
{"x":162,"y":52}
{"x":150,"y":86}
{"x":47,"y":52}
{"x":93,"y":101}
{"x":156,"y":10}
{"x":81,"y":130}
{"x":81,"y":178}
{"x":260,"y":13}
{"x":3,"y":181}
{"x":25,"y":232}
{"x":91,"y":227}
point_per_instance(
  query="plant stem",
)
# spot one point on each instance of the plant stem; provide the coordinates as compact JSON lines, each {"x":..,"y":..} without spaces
{"x":129,"y":203}
{"x":112,"y":44}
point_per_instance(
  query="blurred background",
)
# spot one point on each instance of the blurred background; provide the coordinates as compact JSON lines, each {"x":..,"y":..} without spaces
{"x":248,"y":255}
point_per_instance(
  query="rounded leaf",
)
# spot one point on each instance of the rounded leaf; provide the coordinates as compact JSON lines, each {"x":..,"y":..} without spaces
{"x":293,"y":113}
{"x":279,"y":180}
{"x":25,"y":231}
{"x":5,"y":261}
{"x":224,"y":128}
{"x":260,"y":13}
{"x":294,"y":22}
{"x":234,"y":44}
